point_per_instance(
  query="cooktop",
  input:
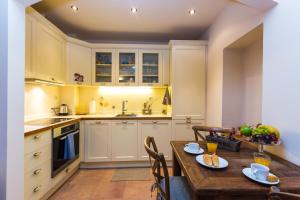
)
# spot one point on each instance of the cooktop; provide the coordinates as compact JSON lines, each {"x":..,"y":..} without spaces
{"x":46,"y":121}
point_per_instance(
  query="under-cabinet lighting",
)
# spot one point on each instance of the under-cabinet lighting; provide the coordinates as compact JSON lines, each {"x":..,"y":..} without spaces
{"x":192,"y":11}
{"x":134,"y":10}
{"x":74,"y":8}
{"x":41,"y":81}
{"x":127,"y":90}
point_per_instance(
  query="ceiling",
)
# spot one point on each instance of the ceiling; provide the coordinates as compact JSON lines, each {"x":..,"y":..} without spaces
{"x":111,"y":20}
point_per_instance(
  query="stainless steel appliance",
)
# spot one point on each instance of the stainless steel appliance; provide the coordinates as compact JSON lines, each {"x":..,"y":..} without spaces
{"x":63,"y":109}
{"x":62,"y":138}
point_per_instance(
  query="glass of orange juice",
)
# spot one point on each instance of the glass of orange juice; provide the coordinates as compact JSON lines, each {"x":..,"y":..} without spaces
{"x":262,"y":158}
{"x":212,"y":147}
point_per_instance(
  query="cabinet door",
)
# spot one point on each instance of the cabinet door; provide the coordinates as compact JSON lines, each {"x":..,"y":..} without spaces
{"x":182,"y":129}
{"x":103,"y":70}
{"x":127,"y":68}
{"x":79,"y":64}
{"x":161,"y":131}
{"x":49,"y":55}
{"x":150,"y":72}
{"x":166,"y":67}
{"x":188,"y":82}
{"x":29,"y":71}
{"x":124,"y":140}
{"x":97,"y":141}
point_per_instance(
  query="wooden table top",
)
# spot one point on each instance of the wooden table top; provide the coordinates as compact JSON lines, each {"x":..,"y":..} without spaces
{"x":228,"y":181}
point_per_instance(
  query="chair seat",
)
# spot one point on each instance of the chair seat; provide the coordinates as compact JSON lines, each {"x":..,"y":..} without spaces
{"x":179,"y":188}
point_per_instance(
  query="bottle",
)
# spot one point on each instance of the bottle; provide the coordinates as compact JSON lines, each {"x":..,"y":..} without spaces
{"x":92,"y":107}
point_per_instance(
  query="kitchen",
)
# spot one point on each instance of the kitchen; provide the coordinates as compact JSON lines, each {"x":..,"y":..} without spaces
{"x":91,"y":98}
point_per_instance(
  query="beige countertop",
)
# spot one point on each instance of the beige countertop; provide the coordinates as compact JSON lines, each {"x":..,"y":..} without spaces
{"x":33,"y":129}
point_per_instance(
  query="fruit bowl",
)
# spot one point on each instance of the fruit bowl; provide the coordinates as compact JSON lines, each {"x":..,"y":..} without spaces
{"x":262,"y":135}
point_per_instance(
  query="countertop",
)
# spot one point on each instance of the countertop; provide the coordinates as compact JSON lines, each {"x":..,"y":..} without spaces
{"x":33,"y":129}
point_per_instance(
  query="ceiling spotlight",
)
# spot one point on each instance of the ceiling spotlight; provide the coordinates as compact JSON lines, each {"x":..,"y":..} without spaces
{"x":74,"y":8}
{"x":192,"y":11}
{"x":134,"y":10}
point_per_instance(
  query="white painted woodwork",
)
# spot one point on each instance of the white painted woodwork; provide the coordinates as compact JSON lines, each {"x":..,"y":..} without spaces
{"x":166,"y":67}
{"x":117,"y":61}
{"x":182,"y":129}
{"x":49,"y":54}
{"x":79,"y":60}
{"x":188,"y":81}
{"x":160,"y":67}
{"x":161,"y":131}
{"x":36,"y":141}
{"x":38,"y":156}
{"x":29,"y":71}
{"x":114,"y":64}
{"x":124,"y":140}
{"x":97,"y":141}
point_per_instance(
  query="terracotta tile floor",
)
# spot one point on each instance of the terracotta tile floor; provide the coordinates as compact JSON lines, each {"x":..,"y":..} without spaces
{"x":97,"y":185}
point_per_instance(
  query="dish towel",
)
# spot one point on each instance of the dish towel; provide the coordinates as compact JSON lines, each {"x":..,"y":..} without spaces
{"x":69,"y":152}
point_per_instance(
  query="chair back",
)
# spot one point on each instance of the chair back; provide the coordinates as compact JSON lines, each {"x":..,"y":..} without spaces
{"x":200,"y":131}
{"x":275,"y":194}
{"x":159,"y":168}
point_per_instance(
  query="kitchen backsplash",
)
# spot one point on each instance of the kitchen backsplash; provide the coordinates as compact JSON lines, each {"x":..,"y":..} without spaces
{"x":39,"y":99}
{"x":109,"y":97}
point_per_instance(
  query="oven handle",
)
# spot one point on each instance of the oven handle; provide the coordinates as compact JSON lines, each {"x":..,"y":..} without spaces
{"x":64,"y":137}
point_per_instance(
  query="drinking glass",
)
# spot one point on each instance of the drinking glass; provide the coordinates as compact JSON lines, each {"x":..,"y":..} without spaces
{"x":212,"y":147}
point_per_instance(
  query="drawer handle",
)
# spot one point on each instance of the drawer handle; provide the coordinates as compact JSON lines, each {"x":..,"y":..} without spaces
{"x":36,"y":137}
{"x":98,"y":122}
{"x":37,"y":172}
{"x":37,"y":154}
{"x":37,"y":188}
{"x":154,"y":122}
{"x":124,"y":122}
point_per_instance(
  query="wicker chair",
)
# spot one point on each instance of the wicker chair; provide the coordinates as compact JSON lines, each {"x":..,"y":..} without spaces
{"x":168,"y":187}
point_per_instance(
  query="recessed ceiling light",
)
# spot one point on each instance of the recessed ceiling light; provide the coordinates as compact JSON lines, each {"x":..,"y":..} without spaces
{"x":74,"y":8}
{"x":192,"y":11}
{"x":134,"y":10}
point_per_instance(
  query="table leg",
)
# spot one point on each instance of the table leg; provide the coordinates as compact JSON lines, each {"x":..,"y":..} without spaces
{"x":176,"y":166}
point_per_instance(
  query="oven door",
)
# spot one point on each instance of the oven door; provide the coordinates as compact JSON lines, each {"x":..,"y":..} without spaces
{"x":59,"y":160}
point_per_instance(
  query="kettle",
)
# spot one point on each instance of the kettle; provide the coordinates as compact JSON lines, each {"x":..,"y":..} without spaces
{"x":63,"y":110}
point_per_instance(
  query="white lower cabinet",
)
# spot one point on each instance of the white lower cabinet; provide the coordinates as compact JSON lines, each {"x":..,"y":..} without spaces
{"x":161,"y":131}
{"x":97,"y":141}
{"x":182,"y":129}
{"x":124,"y":140}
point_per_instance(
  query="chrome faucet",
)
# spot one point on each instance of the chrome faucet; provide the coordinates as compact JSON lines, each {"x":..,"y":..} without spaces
{"x":124,"y":109}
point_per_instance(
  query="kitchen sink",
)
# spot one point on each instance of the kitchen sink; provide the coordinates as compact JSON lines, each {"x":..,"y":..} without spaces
{"x":126,"y":115}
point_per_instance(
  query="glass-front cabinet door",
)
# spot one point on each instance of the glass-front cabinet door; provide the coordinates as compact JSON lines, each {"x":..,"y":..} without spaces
{"x":103,"y":67}
{"x":150,"y":67}
{"x":127,"y":72}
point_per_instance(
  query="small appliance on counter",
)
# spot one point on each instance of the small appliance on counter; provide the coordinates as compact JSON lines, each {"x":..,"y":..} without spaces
{"x":63,"y":110}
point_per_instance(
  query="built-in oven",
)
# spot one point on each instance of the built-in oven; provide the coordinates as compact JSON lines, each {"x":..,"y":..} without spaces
{"x":65,"y":146}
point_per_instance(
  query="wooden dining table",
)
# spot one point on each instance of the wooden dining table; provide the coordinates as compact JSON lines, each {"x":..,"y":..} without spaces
{"x":230,"y":183}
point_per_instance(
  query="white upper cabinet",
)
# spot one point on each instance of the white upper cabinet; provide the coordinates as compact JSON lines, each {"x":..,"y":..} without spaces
{"x":45,"y":51}
{"x":150,"y":67}
{"x":127,"y":67}
{"x":166,"y":67}
{"x":50,"y":54}
{"x":79,"y":64}
{"x":103,"y":66}
{"x":188,"y":81}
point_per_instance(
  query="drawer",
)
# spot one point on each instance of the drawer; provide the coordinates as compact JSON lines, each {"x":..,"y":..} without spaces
{"x":37,"y":190}
{"x":36,"y":158}
{"x":38,"y":173}
{"x":36,"y":141}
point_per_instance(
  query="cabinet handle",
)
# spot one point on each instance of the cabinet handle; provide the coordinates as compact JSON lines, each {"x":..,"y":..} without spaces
{"x":37,"y":188}
{"x":37,"y":172}
{"x":99,"y":122}
{"x":36,"y":137}
{"x":53,"y":79}
{"x":124,"y":122}
{"x":154,"y":122}
{"x":37,"y":154}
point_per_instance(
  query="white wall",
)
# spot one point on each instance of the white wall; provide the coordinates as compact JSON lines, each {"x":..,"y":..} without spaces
{"x":252,"y":83}
{"x":235,"y":21}
{"x":281,"y":76}
{"x":232,"y":88}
